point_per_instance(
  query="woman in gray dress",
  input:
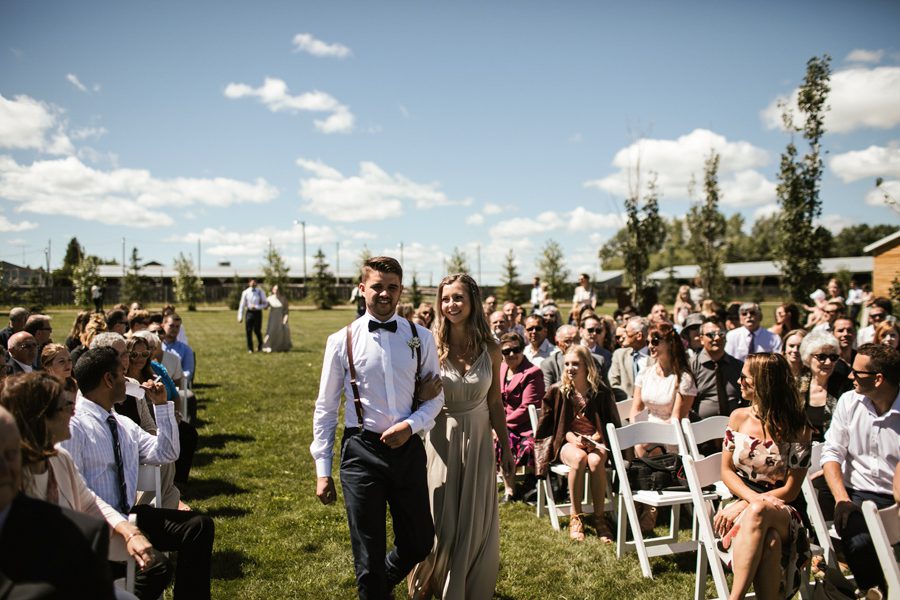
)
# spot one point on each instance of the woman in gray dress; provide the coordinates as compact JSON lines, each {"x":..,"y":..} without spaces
{"x":278,"y":332}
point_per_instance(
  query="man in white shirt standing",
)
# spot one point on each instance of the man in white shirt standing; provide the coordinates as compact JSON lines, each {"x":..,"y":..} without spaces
{"x":862,"y":447}
{"x":750,"y":337}
{"x":584,"y":293}
{"x":537,"y":295}
{"x":375,"y":361}
{"x":253,"y":301}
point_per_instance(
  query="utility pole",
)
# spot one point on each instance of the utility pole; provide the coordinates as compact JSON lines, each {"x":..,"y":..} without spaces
{"x":401,"y":253}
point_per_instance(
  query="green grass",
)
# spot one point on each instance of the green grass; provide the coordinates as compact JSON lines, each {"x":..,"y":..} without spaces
{"x":254,"y":475}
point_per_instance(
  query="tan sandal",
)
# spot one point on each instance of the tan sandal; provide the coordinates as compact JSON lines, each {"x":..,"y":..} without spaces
{"x":576,"y":528}
{"x":604,"y":531}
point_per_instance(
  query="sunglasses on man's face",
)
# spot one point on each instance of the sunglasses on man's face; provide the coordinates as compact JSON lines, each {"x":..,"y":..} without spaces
{"x":856,"y":373}
{"x":510,"y":351}
{"x":714,"y":334}
{"x":534,"y":328}
{"x":876,"y":316}
{"x":593,"y":329}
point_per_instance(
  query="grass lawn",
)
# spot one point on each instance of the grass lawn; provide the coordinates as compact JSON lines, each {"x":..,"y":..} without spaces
{"x":254,"y":475}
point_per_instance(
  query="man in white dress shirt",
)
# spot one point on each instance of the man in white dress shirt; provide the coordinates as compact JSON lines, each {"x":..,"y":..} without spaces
{"x":862,"y":447}
{"x":382,"y":461}
{"x":750,"y":337}
{"x":253,"y":301}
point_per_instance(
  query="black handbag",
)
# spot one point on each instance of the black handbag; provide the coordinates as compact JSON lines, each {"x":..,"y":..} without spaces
{"x":662,"y":472}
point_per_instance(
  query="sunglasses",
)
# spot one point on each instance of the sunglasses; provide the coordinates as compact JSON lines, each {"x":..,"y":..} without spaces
{"x":743,"y":377}
{"x":856,"y":373}
{"x":877,"y":316}
{"x":829,"y":357}
{"x":510,"y":351}
{"x":655,"y":340}
{"x":534,"y":328}
{"x":144,"y":354}
{"x":593,"y":329}
{"x":714,"y":334}
{"x":744,"y":313}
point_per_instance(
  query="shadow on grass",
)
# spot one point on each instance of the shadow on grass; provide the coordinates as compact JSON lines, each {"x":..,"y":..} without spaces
{"x":201,"y":489}
{"x":226,"y":512}
{"x":202,"y":459}
{"x":218,"y":440}
{"x":229,"y":564}
{"x":204,"y":386}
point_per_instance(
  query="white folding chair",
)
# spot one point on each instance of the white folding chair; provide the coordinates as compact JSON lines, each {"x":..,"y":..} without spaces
{"x":710,"y":428}
{"x":150,"y":480}
{"x":824,"y":530}
{"x":545,"y":500}
{"x":622,"y":439}
{"x":624,"y":408}
{"x":884,"y":527}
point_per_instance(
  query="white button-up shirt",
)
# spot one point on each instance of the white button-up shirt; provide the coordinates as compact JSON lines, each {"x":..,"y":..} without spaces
{"x":866,"y":445}
{"x":537,"y":357}
{"x":251,"y":299}
{"x":737,"y":339}
{"x":91,"y":447}
{"x":385,"y":373}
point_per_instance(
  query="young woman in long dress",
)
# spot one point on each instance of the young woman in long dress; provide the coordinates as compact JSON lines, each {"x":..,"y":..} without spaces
{"x":462,"y":484}
{"x":278,"y":332}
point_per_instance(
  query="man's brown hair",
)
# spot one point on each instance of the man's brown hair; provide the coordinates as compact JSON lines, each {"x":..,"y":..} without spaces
{"x":382,"y":264}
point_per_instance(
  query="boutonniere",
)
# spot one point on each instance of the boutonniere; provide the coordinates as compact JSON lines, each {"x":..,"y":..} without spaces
{"x":413,"y":344}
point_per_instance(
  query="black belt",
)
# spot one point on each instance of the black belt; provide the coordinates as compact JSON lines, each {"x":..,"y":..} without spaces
{"x":369,"y":435}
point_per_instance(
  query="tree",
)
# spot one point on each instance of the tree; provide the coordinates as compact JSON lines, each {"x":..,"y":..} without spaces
{"x":707,"y":227}
{"x":235,"y":293}
{"x":645,"y":234}
{"x":799,"y":244}
{"x":851,"y":240}
{"x":457,"y":262}
{"x":552,"y":268}
{"x":511,"y":290}
{"x":85,"y":275}
{"x":364,"y":257}
{"x":415,"y":292}
{"x":134,"y":285}
{"x":610,"y":253}
{"x":322,"y":284}
{"x":188,"y":286}
{"x":275,"y":271}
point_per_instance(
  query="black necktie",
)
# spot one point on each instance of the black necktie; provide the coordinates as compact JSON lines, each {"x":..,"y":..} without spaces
{"x":120,"y":467}
{"x":376,"y":325}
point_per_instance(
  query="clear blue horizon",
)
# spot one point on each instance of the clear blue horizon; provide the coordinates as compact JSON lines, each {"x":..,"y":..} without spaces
{"x":482,"y":127}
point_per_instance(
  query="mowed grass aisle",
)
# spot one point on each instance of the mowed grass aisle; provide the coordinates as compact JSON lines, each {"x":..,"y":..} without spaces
{"x":253,"y":474}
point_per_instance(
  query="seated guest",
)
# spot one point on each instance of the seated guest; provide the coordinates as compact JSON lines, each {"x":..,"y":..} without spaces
{"x":489,"y":305}
{"x":764,"y":461}
{"x":39,"y":326}
{"x":45,"y":551}
{"x":513,"y":314}
{"x":538,"y":347}
{"x":552,"y":319}
{"x":98,"y":432}
{"x":425,"y":314}
{"x":845,"y":332}
{"x":575,"y":414}
{"x":861,"y":453}
{"x":716,"y":373}
{"x":750,"y":337}
{"x":169,"y":309}
{"x":170,"y":360}
{"x":658,"y":314}
{"x":18,"y":316}
{"x":733,"y":316}
{"x":96,"y":325}
{"x":683,"y":306}
{"x":138,"y":320}
{"x":43,"y":406}
{"x":690,"y":334}
{"x":171,"y":328}
{"x":74,"y":338}
{"x":630,"y":359}
{"x":787,"y":318}
{"x":833,"y":309}
{"x":665,"y":388}
{"x":117,"y":321}
{"x":521,"y":384}
{"x":710,"y":308}
{"x":819,"y":385}
{"x":888,"y":334}
{"x":55,"y":360}
{"x":498,"y":324}
{"x":552,"y":366}
{"x":791,"y":350}
{"x":593,"y":337}
{"x":22,"y":351}
{"x":880,"y":310}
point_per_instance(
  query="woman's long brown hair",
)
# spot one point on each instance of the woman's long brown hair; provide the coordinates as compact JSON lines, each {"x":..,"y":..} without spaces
{"x":478,"y":333}
{"x":777,"y":402}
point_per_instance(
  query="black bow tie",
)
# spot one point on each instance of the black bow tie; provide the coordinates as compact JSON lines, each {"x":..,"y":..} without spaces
{"x":376,"y":325}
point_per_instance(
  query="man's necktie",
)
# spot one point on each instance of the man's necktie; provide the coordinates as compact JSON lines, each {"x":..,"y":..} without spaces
{"x":120,"y":466}
{"x":721,"y":394}
{"x":376,"y":325}
{"x":750,"y":343}
{"x":634,"y":363}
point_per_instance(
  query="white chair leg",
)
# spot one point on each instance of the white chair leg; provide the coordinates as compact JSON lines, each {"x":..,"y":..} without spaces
{"x":551,"y":503}
{"x":700,"y":574}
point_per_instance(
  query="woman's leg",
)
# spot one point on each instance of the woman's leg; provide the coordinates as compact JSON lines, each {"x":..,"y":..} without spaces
{"x":748,"y":545}
{"x":597,"y":465}
{"x":769,"y":575}
{"x":576,"y":459}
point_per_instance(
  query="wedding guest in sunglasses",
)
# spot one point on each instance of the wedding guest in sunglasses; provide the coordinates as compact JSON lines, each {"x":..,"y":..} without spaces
{"x":819,"y":384}
{"x":538,"y":347}
{"x":716,"y":373}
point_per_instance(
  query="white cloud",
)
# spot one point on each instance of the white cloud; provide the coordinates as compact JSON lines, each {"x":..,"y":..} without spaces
{"x":835,"y":223}
{"x":677,"y":162}
{"x":73,"y":79}
{"x":275,"y":96}
{"x":305,"y":42}
{"x":371,"y":195}
{"x":578,"y":220}
{"x":874,"y":161}
{"x":475,"y":219}
{"x":28,"y":124}
{"x":88,"y":132}
{"x":859,"y":98}
{"x":891,"y":188}
{"x":117,"y":197}
{"x":765,"y":211}
{"x":489,"y":209}
{"x":6,"y":226}
{"x":865,"y":56}
{"x":492,"y":209}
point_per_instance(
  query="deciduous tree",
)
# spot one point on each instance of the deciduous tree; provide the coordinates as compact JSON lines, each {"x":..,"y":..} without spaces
{"x":275,"y":271}
{"x":188,"y":287}
{"x":707,"y":227}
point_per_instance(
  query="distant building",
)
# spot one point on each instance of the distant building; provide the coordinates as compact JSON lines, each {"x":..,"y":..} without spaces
{"x":886,"y":262}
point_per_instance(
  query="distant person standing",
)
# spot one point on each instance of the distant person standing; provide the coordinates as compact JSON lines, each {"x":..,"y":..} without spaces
{"x":537,"y":295}
{"x":278,"y":332}
{"x":97,"y":297}
{"x":584,"y":295}
{"x":253,"y":301}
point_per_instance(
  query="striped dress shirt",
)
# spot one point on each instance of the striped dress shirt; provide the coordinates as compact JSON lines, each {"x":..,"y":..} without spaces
{"x":91,"y":447}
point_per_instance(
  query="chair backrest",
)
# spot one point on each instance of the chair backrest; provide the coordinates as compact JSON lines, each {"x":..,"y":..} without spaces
{"x":648,"y":433}
{"x":534,"y":415}
{"x":700,"y":473}
{"x":710,"y":428}
{"x":884,"y":527}
{"x":813,"y":510}
{"x":150,"y":480}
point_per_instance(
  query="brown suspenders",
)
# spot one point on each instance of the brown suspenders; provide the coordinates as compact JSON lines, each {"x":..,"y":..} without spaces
{"x":357,"y":403}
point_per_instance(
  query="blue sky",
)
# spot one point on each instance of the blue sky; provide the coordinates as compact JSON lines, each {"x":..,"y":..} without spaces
{"x":483,"y":126}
